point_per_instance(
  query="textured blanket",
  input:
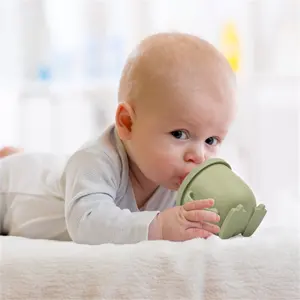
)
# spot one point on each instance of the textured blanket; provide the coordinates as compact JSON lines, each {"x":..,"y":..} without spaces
{"x":265,"y":266}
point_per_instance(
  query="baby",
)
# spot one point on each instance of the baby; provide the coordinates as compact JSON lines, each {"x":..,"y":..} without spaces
{"x":176,"y":105}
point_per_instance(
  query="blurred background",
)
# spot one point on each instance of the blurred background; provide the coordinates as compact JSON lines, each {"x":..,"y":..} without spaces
{"x":61,"y":61}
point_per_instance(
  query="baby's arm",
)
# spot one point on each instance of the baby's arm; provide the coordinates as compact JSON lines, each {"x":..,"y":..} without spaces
{"x":92,"y":217}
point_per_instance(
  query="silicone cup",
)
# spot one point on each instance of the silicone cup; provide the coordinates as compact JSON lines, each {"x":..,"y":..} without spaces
{"x":234,"y":200}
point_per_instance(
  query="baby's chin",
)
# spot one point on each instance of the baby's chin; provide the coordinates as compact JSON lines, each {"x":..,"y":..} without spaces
{"x":171,"y":186}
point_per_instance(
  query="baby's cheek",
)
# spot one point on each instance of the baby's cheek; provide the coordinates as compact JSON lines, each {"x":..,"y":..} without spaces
{"x":163,"y":155}
{"x":212,"y":153}
{"x":169,"y":158}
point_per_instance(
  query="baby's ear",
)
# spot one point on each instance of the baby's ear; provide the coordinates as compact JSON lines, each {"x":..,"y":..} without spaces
{"x":124,"y":120}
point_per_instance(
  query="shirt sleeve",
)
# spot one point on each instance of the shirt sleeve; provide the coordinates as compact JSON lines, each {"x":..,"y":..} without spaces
{"x":92,"y":217}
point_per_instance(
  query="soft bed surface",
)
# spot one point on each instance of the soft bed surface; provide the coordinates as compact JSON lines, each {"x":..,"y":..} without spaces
{"x":265,"y":266}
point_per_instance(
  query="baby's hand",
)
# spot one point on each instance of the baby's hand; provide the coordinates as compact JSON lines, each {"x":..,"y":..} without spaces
{"x":188,"y":221}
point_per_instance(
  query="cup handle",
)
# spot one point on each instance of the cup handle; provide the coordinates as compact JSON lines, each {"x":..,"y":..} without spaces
{"x":190,"y":196}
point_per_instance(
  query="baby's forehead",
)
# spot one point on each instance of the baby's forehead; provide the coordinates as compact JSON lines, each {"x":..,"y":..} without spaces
{"x":207,"y":119}
{"x":195,"y":93}
{"x":192,"y":108}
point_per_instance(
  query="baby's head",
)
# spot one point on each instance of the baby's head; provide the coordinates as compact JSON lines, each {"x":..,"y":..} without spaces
{"x":176,"y":104}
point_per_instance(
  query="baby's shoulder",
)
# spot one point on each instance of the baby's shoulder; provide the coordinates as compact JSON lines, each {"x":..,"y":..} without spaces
{"x":102,"y":152}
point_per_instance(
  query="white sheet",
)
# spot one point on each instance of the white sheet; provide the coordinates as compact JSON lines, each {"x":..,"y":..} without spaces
{"x":265,"y":266}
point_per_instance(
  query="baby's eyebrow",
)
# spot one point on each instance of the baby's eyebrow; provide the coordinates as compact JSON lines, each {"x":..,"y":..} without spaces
{"x":223,"y":133}
{"x":182,"y":119}
{"x":185,"y":124}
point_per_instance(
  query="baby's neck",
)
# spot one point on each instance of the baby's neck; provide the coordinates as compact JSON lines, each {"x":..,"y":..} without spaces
{"x":143,"y":188}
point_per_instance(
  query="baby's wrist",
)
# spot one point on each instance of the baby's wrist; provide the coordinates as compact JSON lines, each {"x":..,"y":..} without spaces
{"x":155,"y":232}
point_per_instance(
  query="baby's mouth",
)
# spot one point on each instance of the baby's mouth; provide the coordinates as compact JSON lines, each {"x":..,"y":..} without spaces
{"x":181,"y":178}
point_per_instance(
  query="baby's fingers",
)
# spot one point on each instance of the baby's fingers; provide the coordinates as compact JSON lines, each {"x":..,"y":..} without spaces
{"x":201,"y":216}
{"x":193,"y":233}
{"x":205,"y":231}
{"x":198,"y":204}
{"x":211,"y":227}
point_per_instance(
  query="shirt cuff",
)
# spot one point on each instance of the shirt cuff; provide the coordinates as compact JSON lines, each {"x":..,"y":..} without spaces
{"x":142,"y":222}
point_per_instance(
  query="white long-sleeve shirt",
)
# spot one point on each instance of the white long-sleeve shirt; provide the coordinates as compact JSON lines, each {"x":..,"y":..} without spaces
{"x":99,"y":201}
{"x":99,"y":204}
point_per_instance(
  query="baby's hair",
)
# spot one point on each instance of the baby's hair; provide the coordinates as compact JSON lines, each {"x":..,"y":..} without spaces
{"x":166,"y":56}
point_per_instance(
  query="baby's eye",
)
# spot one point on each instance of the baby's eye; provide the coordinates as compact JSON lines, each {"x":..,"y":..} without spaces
{"x":212,"y":141}
{"x":180,"y":134}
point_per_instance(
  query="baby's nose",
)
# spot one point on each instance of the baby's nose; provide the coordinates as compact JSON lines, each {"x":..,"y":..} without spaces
{"x":195,"y":157}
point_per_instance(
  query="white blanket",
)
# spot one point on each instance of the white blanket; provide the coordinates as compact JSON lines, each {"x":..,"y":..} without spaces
{"x":265,"y":266}
{"x":36,"y":269}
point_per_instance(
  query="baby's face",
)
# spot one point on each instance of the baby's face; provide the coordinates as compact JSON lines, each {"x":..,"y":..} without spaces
{"x":172,"y":136}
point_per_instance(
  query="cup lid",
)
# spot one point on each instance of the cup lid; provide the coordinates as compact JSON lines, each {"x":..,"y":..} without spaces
{"x":189,"y":178}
